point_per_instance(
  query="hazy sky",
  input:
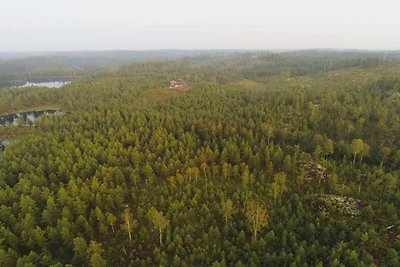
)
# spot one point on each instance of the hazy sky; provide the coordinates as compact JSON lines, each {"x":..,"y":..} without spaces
{"x":59,"y":25}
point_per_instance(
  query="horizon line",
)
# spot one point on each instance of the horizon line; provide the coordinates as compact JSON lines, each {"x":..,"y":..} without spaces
{"x":203,"y":50}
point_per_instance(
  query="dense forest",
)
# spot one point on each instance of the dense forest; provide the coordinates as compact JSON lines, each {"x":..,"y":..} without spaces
{"x":271,"y":159}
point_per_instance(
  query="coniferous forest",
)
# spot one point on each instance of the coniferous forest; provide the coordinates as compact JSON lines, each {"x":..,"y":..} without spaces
{"x":269,"y":159}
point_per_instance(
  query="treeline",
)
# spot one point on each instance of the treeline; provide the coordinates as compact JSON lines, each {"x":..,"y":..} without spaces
{"x":18,"y":68}
{"x":18,"y":71}
{"x":220,"y":63}
{"x":258,"y":65}
{"x":14,"y":100}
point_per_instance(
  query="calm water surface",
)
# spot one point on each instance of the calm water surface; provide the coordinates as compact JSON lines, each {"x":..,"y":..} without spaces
{"x":57,"y":84}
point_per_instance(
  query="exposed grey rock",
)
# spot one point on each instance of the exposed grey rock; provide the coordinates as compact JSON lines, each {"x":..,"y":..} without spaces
{"x":345,"y":206}
{"x":313,"y":171}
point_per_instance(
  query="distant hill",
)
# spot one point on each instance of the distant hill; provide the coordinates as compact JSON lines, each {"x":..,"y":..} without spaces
{"x":18,"y":68}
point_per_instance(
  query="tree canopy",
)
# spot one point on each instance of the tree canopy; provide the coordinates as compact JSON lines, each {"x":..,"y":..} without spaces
{"x":229,"y":173}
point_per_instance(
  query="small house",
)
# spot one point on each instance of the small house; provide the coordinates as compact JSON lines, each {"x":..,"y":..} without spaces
{"x":180,"y":85}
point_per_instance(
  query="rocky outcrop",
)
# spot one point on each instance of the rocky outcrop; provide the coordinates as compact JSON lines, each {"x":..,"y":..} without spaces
{"x":344,"y":206}
{"x":3,"y":144}
{"x":313,"y":171}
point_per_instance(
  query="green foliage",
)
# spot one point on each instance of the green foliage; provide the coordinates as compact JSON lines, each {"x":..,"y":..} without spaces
{"x":216,"y":173}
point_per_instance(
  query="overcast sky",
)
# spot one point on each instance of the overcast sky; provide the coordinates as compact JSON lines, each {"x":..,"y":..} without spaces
{"x":63,"y":25}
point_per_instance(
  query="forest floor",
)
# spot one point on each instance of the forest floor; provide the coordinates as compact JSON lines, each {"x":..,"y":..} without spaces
{"x":343,"y":78}
{"x":13,"y":132}
{"x":350,"y":77}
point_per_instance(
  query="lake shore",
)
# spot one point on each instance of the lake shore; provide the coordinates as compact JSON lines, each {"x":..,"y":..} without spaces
{"x":37,"y":109}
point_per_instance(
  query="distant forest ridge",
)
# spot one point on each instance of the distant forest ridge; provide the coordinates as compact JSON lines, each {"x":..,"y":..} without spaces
{"x":18,"y":68}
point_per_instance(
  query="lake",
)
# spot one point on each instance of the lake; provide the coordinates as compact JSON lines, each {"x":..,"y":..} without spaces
{"x":56,"y":84}
{"x":11,"y":119}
